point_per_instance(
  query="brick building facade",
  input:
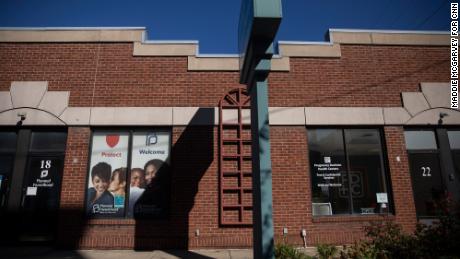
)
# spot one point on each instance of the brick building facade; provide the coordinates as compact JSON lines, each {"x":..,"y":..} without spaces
{"x":84,"y":81}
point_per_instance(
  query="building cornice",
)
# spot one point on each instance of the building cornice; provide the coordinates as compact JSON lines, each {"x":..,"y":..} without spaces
{"x":199,"y":62}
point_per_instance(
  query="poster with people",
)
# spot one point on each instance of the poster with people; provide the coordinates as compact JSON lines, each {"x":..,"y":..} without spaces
{"x":149,"y":190}
{"x":106,"y":190}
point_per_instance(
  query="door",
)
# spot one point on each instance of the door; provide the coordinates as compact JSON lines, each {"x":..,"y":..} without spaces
{"x":426,"y":183}
{"x":40,"y":200}
{"x":6,"y":167}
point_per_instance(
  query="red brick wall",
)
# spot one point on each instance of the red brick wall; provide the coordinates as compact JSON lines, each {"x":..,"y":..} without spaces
{"x":400,"y":178}
{"x":71,"y":216}
{"x":363,"y":76}
{"x":292,"y":206}
{"x":195,"y":200}
{"x":108,"y":75}
{"x":291,"y":184}
{"x":111,"y":73}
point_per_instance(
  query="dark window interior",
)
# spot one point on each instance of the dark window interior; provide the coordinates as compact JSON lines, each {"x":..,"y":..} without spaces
{"x":347,"y":171}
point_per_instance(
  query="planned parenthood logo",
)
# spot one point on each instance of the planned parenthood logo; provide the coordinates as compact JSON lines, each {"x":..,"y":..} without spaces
{"x":151,"y":139}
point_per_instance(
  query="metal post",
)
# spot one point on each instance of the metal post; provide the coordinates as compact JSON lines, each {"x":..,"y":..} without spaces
{"x":447,"y":165}
{"x":262,"y":169}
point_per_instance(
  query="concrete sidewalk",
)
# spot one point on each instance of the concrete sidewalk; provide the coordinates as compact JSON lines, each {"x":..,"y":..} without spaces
{"x":48,"y":252}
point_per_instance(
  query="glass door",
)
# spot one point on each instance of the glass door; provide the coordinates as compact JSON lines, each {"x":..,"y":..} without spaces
{"x":426,"y":183}
{"x":40,"y":197}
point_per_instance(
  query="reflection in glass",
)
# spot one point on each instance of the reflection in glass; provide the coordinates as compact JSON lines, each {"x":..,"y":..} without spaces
{"x":454,"y":142}
{"x":48,"y":141}
{"x":6,"y":168}
{"x":420,"y":140}
{"x":366,"y":170}
{"x":328,"y":171}
{"x":8,"y":141}
{"x":454,"y":139}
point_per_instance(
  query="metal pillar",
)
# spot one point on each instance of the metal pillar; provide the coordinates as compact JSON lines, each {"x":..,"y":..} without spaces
{"x":447,"y":165}
{"x":259,"y":22}
{"x":261,"y":165}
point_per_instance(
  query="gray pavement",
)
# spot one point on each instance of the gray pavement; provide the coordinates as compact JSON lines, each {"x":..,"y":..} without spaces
{"x":41,"y":252}
{"x":47,"y":252}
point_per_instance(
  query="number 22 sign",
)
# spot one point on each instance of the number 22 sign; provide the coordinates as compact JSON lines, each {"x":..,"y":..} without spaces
{"x":426,"y":171}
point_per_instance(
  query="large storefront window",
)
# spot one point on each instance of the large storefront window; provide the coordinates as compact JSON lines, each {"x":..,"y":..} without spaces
{"x":129,"y":174}
{"x":347,"y":172}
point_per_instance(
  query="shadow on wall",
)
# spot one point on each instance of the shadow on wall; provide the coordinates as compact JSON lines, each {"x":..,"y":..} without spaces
{"x":191,"y":155}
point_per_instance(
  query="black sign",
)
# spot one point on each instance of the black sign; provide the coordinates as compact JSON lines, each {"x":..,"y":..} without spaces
{"x":42,"y":183}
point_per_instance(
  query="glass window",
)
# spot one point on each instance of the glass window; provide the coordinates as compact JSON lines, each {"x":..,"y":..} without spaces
{"x":6,"y":168}
{"x":344,"y":160}
{"x":365,"y":167}
{"x":106,"y":190}
{"x":140,"y":190}
{"x":328,"y":167}
{"x":8,"y":142}
{"x":48,"y":141}
{"x":420,"y":140}
{"x":454,"y":139}
{"x":150,"y":177}
{"x":454,"y":142}
{"x":7,"y":151}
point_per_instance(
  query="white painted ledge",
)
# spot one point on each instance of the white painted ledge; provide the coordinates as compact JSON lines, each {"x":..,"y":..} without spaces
{"x":344,"y":116}
{"x":55,"y":102}
{"x":71,"y":35}
{"x":230,"y":64}
{"x":436,"y":94}
{"x":131,"y":116}
{"x":5,"y":101}
{"x":294,"y":49}
{"x":50,"y":108}
{"x":395,"y":116}
{"x":432,"y":117}
{"x":77,"y":116}
{"x":27,"y":93}
{"x":414,"y":102}
{"x":287,"y":116}
{"x":165,"y":49}
{"x":385,"y":37}
{"x":207,"y":116}
{"x":213,"y":63}
{"x":33,"y":118}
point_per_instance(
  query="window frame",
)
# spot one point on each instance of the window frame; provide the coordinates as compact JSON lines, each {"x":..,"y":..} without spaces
{"x":130,"y":131}
{"x":385,"y":172}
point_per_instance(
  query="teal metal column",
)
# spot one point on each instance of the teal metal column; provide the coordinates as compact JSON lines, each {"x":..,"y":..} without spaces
{"x":258,"y":25}
{"x":261,"y":165}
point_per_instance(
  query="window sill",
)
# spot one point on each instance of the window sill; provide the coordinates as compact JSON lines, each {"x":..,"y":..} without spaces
{"x":120,"y":221}
{"x":352,"y":218}
{"x":124,"y":221}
